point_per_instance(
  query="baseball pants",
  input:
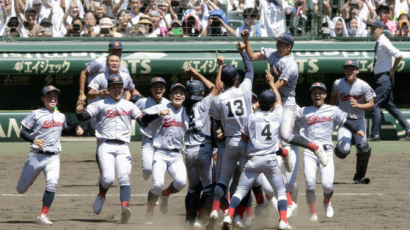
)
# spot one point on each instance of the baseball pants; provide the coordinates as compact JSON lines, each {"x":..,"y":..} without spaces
{"x":230,"y":157}
{"x":114,"y":158}
{"x":147,"y":153}
{"x":344,"y":136}
{"x":198,"y":160}
{"x":35,"y":163}
{"x":173,"y":162}
{"x":310,"y":166}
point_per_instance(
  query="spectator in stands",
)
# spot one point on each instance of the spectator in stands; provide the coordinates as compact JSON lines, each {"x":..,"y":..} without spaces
{"x":74,"y":29}
{"x":91,"y":29}
{"x":124,"y":23}
{"x":357,"y":28}
{"x":106,"y":27}
{"x":135,"y":6}
{"x":401,"y":6}
{"x":403,"y":25}
{"x":272,"y":17}
{"x":158,"y":30}
{"x":191,"y":23}
{"x":361,"y":8}
{"x":13,"y":28}
{"x":383,"y":11}
{"x":29,"y":21}
{"x":338,"y":28}
{"x":72,"y":12}
{"x":45,"y":29}
{"x":144,"y":27}
{"x":100,"y":12}
{"x":168,"y":14}
{"x":176,"y":29}
{"x":43,"y":10}
{"x":68,"y":4}
{"x":250,"y":16}
{"x":202,"y":11}
{"x":218,"y":25}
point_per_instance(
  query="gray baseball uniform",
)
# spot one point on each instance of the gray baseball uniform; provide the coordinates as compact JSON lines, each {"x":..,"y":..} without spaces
{"x":147,"y":133}
{"x":361,"y":92}
{"x":48,"y":126}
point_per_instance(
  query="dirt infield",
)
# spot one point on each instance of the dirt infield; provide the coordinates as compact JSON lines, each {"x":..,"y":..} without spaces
{"x":383,"y":204}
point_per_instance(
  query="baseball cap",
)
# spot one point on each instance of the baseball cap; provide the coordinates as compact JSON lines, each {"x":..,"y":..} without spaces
{"x":377,"y":23}
{"x":158,"y":79}
{"x":229,"y":74}
{"x":319,"y":85}
{"x":49,"y":88}
{"x":286,"y":38}
{"x":267,"y":98}
{"x":115,"y":45}
{"x":115,"y":79}
{"x":177,"y":86}
{"x":106,"y":23}
{"x":351,"y":63}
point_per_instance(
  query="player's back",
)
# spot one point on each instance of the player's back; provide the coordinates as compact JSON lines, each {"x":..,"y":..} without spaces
{"x":263,"y":131}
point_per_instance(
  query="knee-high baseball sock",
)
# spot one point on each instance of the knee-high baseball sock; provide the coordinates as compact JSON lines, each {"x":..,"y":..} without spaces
{"x":171,"y":189}
{"x":205,"y":203}
{"x":282,"y":207}
{"x":235,"y":201}
{"x":192,"y":201}
{"x":327,"y":197}
{"x":219,"y":192}
{"x":244,"y":203}
{"x":257,"y":191}
{"x":303,"y":142}
{"x":152,"y":199}
{"x":48,"y":198}
{"x":102,"y":190}
{"x":311,"y":200}
{"x":125,"y":196}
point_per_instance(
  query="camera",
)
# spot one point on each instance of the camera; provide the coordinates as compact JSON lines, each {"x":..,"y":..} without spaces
{"x":13,"y":22}
{"x":215,"y":21}
{"x":105,"y":31}
{"x":76,"y":27}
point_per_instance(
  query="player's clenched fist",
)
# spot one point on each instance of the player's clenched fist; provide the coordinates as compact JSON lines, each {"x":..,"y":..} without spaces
{"x":241,"y":47}
{"x":220,"y":59}
{"x":245,"y":35}
{"x":164,"y":112}
{"x":269,"y":77}
{"x":79,"y":109}
{"x":39,"y":142}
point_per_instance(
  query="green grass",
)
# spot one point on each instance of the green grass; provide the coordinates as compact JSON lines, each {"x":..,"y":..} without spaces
{"x":79,"y":147}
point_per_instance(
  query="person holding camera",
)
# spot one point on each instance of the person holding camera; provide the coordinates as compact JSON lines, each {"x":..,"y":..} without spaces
{"x":218,"y":25}
{"x":250,"y":16}
{"x":400,"y":7}
{"x":29,"y":21}
{"x":360,"y":8}
{"x":13,"y":28}
{"x":74,"y":29}
{"x":45,"y":29}
{"x":403,"y":25}
{"x":123,"y":23}
{"x":385,"y":15}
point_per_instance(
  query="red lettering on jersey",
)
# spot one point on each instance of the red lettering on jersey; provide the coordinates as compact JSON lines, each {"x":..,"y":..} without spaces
{"x":316,"y":119}
{"x":346,"y":97}
{"x":116,"y":113}
{"x":169,"y":123}
{"x":51,"y":124}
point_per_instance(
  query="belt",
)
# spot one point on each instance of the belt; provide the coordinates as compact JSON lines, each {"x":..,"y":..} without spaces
{"x":115,"y":141}
{"x":44,"y":152}
{"x":381,"y":74}
{"x":174,"y":150}
{"x":327,"y":147}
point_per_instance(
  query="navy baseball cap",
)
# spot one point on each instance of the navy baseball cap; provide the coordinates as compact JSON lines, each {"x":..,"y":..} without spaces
{"x":229,"y":74}
{"x":377,"y":24}
{"x":115,"y":45}
{"x":49,"y":88}
{"x":115,"y":79}
{"x":286,"y":38}
{"x":351,"y":63}
{"x":319,"y":85}
{"x":158,"y":79}
{"x":177,"y":86}
{"x":267,"y":98}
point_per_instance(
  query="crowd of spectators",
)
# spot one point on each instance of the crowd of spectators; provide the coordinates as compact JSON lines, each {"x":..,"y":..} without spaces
{"x":170,"y":18}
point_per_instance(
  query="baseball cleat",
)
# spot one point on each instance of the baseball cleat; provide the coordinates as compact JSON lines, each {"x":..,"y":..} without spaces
{"x":328,"y":210}
{"x":314,"y":218}
{"x":283,"y":225}
{"x":213,"y":218}
{"x":197,"y":224}
{"x":290,"y":160}
{"x":98,"y":204}
{"x":43,"y":219}
{"x":237,"y":222}
{"x":148,"y":217}
{"x":226,"y":224}
{"x":125,"y":215}
{"x":321,"y":155}
{"x":163,"y":204}
{"x":291,"y":211}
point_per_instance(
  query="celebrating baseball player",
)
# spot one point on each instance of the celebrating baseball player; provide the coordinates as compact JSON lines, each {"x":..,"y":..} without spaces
{"x":113,"y":128}
{"x":43,"y":128}
{"x":262,"y":130}
{"x":319,"y":120}
{"x":353,"y":96}
{"x":284,"y":67}
{"x":168,"y":145}
{"x":232,"y":108}
{"x":198,"y":157}
{"x":158,"y":86}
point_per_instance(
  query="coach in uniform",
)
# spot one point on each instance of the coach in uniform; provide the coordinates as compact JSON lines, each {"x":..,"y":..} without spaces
{"x":353,"y":96}
{"x":384,"y":71}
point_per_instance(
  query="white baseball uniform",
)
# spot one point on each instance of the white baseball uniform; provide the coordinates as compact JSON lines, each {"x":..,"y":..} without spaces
{"x":319,"y":123}
{"x":147,"y":133}
{"x":361,"y":92}
{"x":48,"y":126}
{"x":113,"y":127}
{"x":169,"y":147}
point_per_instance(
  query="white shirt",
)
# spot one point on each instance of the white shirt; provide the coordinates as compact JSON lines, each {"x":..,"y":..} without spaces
{"x":399,"y":7}
{"x":144,"y":104}
{"x":272,"y":18}
{"x":385,"y":52}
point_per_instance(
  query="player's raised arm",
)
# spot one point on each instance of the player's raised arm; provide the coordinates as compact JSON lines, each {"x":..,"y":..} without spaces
{"x":81,"y":95}
{"x":246,"y":61}
{"x":193,"y":72}
{"x":254,"y":56}
{"x":271,"y":83}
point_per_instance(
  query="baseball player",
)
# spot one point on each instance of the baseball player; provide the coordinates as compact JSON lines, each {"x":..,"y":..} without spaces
{"x":284,"y":67}
{"x":353,"y":96}
{"x":158,"y":86}
{"x":168,"y":145}
{"x":232,"y":108}
{"x":113,"y":116}
{"x":319,"y":120}
{"x":262,"y":130}
{"x":43,"y":128}
{"x":198,"y":157}
{"x":98,"y":66}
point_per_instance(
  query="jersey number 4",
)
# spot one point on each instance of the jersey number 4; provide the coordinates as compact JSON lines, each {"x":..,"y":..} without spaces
{"x":236,"y":105}
{"x":266,"y":132}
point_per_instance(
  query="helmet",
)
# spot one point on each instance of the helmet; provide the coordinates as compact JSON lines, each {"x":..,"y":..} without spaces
{"x":194,"y":89}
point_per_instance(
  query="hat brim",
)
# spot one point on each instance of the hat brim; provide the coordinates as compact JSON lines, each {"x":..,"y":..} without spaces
{"x":317,"y":87}
{"x":178,"y":87}
{"x":283,"y":41}
{"x":55,"y":90}
{"x":346,"y":65}
{"x":163,"y":82}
